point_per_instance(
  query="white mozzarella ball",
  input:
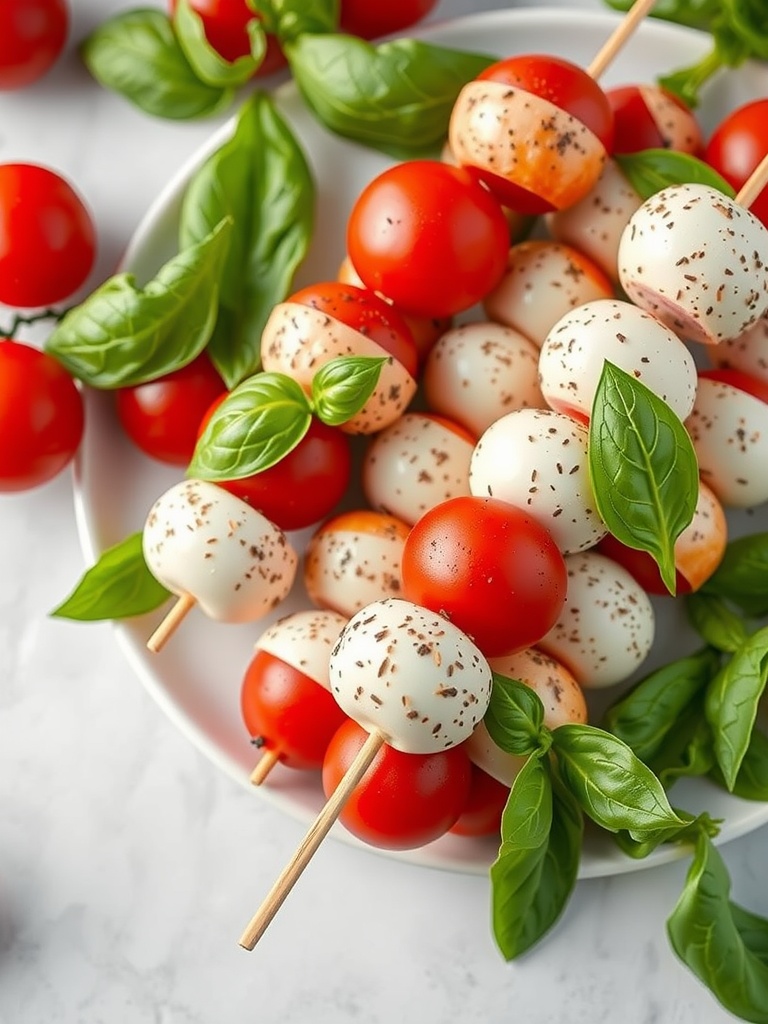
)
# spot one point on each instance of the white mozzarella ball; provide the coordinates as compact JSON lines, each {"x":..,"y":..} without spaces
{"x":697,"y":260}
{"x":729,"y":430}
{"x":499,"y":764}
{"x":477,"y":372}
{"x":543,"y":281}
{"x":410,"y":674}
{"x":595,"y":224}
{"x":575,"y":350}
{"x":606,"y":627}
{"x":354,"y":559}
{"x":748,"y":352}
{"x":536,"y":459}
{"x":202,"y":541}
{"x":415,"y":464}
{"x":297,"y":340}
{"x":304,"y":640}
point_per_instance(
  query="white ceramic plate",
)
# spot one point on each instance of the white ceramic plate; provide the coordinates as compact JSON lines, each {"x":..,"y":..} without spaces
{"x":196,"y":679}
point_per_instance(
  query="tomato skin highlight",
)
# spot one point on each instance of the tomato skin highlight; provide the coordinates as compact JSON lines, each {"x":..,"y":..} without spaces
{"x":491,"y":569}
{"x":41,"y":417}
{"x":47,"y":238}
{"x":404,"y":800}
{"x":33,"y":36}
{"x":427,"y":236}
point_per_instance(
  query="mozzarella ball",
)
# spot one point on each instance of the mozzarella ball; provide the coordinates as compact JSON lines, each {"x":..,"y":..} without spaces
{"x":411,"y":675}
{"x":415,"y":464}
{"x":606,"y":628}
{"x":478,"y":372}
{"x":748,"y":352}
{"x":575,"y":350}
{"x":304,"y":641}
{"x":700,"y":547}
{"x":536,"y":459}
{"x":697,"y":260}
{"x":202,"y":541}
{"x":543,"y":281}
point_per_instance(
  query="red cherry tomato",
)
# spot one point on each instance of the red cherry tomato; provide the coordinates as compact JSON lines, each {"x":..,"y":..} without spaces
{"x":162,"y":417}
{"x":41,"y":417}
{"x":365,"y":312}
{"x":304,"y":486}
{"x":737,"y":146}
{"x":649,"y":117}
{"x":225,"y":23}
{"x":369,"y":20}
{"x":429,"y":237}
{"x":484,"y":808}
{"x":494,"y":571}
{"x":403,"y":800}
{"x":738,"y":379}
{"x":47,"y":239}
{"x":641,"y":566}
{"x":291,"y":713}
{"x":32,"y":35}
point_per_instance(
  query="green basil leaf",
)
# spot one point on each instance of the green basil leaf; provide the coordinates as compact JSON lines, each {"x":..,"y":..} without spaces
{"x":207,"y":63}
{"x":742,"y":576}
{"x":731,"y":702}
{"x":137,"y":54}
{"x":753,"y":930}
{"x":688,"y":748}
{"x":643,"y":467}
{"x":515,"y":716}
{"x":123,"y":335}
{"x":650,"y":170}
{"x":613,"y":786}
{"x":704,"y":934}
{"x":288,"y":19}
{"x":255,"y":426}
{"x":694,"y":13}
{"x":118,"y":586}
{"x":396,"y":97}
{"x":644,"y":717}
{"x":685,"y":833}
{"x":715,"y":622}
{"x":260,"y":178}
{"x":751,"y":781}
{"x":343,"y":385}
{"x":746,"y":20}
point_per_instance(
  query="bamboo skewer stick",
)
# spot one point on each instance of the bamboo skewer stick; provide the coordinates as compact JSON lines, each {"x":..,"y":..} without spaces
{"x":266,"y":763}
{"x":754,"y":184}
{"x":610,"y":49}
{"x":171,"y":623}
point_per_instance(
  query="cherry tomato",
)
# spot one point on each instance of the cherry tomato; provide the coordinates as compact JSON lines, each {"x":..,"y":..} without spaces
{"x":225,"y":23}
{"x":429,"y":237}
{"x":41,"y":417}
{"x":494,"y":571}
{"x":369,"y":20}
{"x":288,"y":711}
{"x":47,"y":239}
{"x":649,"y":117}
{"x":32,"y":35}
{"x":737,"y":146}
{"x":360,"y":309}
{"x":403,"y":800}
{"x":641,"y":566}
{"x":305,"y":485}
{"x":485,"y":805}
{"x":162,"y":417}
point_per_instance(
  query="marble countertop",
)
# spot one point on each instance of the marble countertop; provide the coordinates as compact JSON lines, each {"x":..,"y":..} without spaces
{"x":129,"y":863}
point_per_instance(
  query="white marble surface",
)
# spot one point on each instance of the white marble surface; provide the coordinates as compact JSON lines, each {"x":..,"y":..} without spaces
{"x":129,"y":864}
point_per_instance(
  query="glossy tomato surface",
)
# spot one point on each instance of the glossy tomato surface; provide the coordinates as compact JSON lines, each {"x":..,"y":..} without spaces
{"x":737,"y":146}
{"x":649,"y":117}
{"x":47,"y":238}
{"x":371,"y":19}
{"x":490,"y":568}
{"x":32,"y":35}
{"x":429,"y":237}
{"x":404,"y":800}
{"x":485,"y":805}
{"x":225,"y":23}
{"x":41,"y":417}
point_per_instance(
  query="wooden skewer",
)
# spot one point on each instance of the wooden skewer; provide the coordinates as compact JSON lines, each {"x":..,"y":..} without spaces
{"x":754,"y":184}
{"x":308,"y":846}
{"x":171,"y":623}
{"x":266,"y":763}
{"x":618,"y":38}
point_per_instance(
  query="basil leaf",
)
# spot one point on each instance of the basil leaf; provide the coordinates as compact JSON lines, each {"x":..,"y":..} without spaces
{"x":614,"y":788}
{"x":650,"y":170}
{"x":255,"y":426}
{"x":742,"y":576}
{"x":396,"y":97}
{"x":343,"y":385}
{"x":714,"y":621}
{"x":688,"y":749}
{"x":751,"y":781}
{"x":261,"y":179}
{"x":643,"y":467}
{"x":515,"y":716}
{"x":732,"y":700}
{"x":288,"y":19}
{"x":753,"y":930}
{"x":704,"y":934}
{"x":694,"y":13}
{"x":123,"y":335}
{"x":118,"y":586}
{"x":207,"y":63}
{"x":644,"y":717}
{"x":137,"y":54}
